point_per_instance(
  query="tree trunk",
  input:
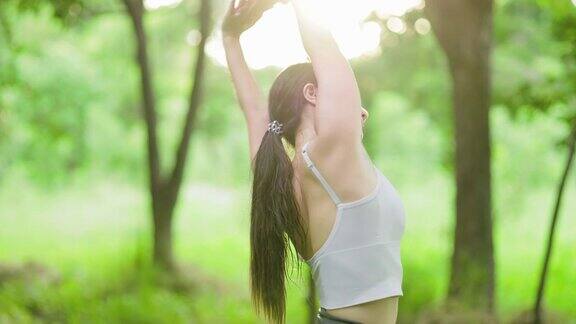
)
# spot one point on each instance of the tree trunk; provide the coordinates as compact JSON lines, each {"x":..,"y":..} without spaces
{"x":193,"y":102}
{"x":464,"y":30}
{"x":164,"y":191}
{"x":540,"y":295}
{"x":162,"y":217}
{"x":135,"y":9}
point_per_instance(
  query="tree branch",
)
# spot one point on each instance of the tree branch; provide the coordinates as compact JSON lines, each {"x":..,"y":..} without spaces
{"x":537,"y":311}
{"x":194,"y":101}
{"x":135,"y":9}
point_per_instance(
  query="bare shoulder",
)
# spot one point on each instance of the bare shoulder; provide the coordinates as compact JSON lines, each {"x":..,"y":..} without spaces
{"x":345,"y":166}
{"x":340,"y":161}
{"x":335,"y":150}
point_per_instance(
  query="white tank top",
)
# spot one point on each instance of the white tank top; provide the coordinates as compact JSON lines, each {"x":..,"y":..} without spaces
{"x":360,"y":260}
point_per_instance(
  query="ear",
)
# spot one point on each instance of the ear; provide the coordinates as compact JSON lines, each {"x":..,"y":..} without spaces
{"x":310,"y":92}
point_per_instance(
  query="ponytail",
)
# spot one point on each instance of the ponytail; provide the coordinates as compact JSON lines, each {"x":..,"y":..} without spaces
{"x":275,"y":214}
{"x":275,"y":219}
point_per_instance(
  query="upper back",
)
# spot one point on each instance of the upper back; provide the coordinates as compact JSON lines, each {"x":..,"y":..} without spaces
{"x":326,"y":180}
{"x":355,"y":243}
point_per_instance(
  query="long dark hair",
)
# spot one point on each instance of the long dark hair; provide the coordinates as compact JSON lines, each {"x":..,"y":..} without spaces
{"x":275,"y":213}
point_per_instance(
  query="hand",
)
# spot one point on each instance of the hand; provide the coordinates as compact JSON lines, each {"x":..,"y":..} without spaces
{"x":245,"y":15}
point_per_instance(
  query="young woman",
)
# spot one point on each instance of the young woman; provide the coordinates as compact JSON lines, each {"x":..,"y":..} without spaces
{"x":340,"y":212}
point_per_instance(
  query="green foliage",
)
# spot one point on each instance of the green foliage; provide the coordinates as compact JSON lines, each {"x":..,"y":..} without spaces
{"x":72,"y":161}
{"x":49,"y":99}
{"x":535,"y":56}
{"x":95,"y":236}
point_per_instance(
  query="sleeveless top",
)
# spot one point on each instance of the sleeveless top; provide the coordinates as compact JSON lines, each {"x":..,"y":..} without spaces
{"x":360,"y":260}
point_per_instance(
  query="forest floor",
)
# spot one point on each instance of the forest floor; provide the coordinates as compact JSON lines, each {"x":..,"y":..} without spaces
{"x":80,"y":255}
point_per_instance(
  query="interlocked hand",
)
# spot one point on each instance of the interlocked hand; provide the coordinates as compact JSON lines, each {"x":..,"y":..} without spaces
{"x":240,"y":18}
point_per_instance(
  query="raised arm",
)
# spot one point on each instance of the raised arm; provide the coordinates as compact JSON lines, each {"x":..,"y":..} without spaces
{"x":237,"y":20}
{"x":338,"y":98}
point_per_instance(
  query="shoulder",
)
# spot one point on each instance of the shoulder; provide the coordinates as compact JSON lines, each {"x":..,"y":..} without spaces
{"x":330,"y":145}
{"x":334,"y":150}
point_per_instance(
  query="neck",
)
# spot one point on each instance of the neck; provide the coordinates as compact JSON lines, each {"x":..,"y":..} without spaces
{"x":306,"y":131}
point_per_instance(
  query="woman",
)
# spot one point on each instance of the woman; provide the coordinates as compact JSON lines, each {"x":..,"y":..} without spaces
{"x":340,"y":212}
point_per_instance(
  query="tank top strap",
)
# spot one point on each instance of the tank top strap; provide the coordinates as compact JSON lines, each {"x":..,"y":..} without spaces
{"x":310,"y":164}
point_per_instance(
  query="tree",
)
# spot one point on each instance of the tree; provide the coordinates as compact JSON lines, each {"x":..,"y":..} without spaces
{"x":164,"y":189}
{"x":464,"y":30}
{"x":49,"y":120}
{"x":537,"y":311}
{"x":564,"y":30}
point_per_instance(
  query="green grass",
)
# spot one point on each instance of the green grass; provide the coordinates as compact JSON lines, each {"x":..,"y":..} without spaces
{"x":95,"y":234}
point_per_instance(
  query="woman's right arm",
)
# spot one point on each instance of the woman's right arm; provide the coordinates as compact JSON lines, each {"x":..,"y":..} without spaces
{"x":252,"y":102}
{"x":338,"y":99}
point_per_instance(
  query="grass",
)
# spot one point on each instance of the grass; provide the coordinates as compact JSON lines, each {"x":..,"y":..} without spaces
{"x":95,"y":237}
{"x":91,"y":238}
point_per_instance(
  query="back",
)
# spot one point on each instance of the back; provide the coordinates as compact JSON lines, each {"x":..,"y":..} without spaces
{"x":350,"y":175}
{"x":355,"y":243}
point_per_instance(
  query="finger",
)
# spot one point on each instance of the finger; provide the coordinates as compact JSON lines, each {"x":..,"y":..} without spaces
{"x":267,"y":4}
{"x":242,"y":3}
{"x":254,"y":12}
{"x":250,"y":7}
{"x":234,"y":8}
{"x":263,"y":4}
{"x":251,"y":16}
{"x":245,"y":8}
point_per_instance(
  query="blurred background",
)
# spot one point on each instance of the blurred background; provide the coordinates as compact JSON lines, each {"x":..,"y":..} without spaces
{"x":123,"y":151}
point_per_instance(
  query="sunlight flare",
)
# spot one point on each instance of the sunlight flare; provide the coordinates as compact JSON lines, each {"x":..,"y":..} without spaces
{"x":422,"y":26}
{"x":275,"y":40}
{"x":157,"y":4}
{"x":396,"y":25}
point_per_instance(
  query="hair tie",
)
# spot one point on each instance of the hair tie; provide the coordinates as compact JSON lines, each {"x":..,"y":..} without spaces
{"x":275,"y":127}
